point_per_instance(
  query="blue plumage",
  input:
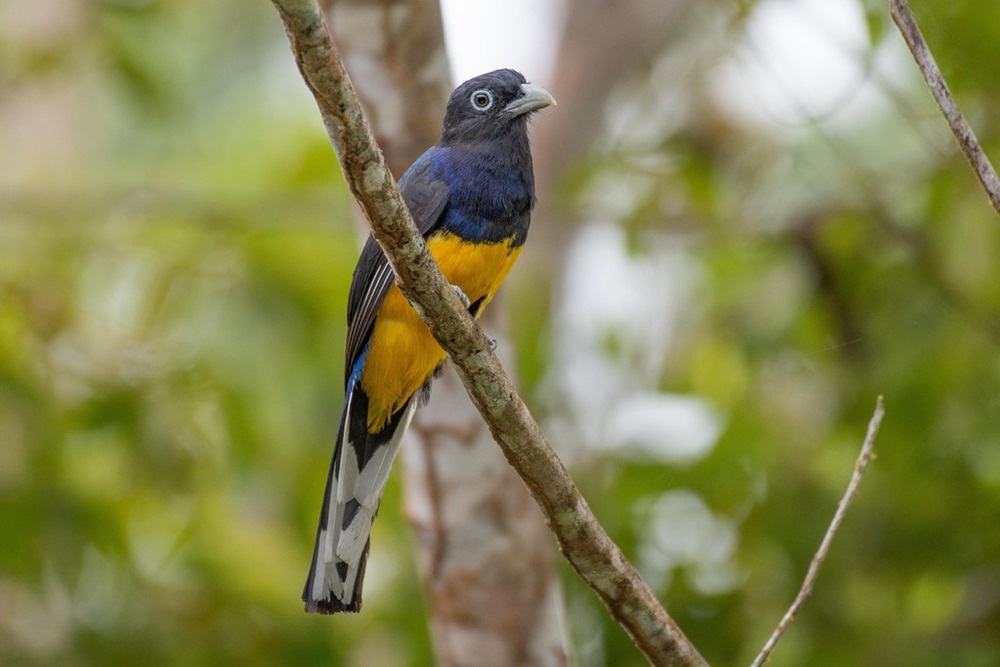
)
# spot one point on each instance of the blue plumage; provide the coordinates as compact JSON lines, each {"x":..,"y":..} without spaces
{"x":491,"y":191}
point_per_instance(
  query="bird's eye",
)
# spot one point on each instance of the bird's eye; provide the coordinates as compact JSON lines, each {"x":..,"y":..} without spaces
{"x":482,"y":100}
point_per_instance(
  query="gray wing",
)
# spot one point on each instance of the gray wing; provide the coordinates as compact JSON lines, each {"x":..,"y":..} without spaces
{"x":426,"y":198}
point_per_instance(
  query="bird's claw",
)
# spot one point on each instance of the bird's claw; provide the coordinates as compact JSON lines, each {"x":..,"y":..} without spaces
{"x":492,"y":342}
{"x":461,"y":295}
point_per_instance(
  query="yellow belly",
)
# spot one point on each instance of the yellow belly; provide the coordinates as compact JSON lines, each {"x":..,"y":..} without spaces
{"x":403,"y":354}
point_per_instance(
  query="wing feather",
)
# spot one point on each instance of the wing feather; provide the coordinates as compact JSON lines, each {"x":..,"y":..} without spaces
{"x":426,"y":197}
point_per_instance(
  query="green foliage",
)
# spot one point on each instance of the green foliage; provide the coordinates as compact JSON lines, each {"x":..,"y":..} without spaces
{"x":836,"y":260}
{"x":172,"y":297}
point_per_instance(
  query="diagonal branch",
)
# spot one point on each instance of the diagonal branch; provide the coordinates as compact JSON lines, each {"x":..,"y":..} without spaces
{"x":903,"y":17}
{"x":582,"y":540}
{"x":866,"y":455}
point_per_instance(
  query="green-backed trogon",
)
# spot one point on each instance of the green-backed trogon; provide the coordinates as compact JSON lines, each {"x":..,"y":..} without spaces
{"x":471,"y":196}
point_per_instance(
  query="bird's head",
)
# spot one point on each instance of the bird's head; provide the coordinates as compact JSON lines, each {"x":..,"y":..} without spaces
{"x":492,"y":105}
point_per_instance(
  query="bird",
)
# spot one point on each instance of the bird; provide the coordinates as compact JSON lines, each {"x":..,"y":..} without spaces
{"x":471,"y":196}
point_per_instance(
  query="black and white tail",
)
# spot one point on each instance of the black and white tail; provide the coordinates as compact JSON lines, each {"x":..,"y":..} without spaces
{"x":358,"y":472}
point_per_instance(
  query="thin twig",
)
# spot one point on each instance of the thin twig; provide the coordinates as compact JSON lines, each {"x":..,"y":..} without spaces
{"x":866,"y":455}
{"x":903,"y":17}
{"x":583,"y":541}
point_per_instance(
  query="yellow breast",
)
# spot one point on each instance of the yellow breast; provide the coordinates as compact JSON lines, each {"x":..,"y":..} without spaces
{"x":403,"y":354}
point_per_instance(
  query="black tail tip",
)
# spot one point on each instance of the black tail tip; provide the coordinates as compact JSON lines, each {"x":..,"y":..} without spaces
{"x":332,"y":606}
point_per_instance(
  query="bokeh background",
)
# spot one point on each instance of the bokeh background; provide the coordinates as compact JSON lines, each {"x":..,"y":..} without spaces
{"x":759,"y":225}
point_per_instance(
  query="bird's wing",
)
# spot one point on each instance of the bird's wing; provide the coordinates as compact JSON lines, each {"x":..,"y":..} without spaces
{"x":426,"y":198}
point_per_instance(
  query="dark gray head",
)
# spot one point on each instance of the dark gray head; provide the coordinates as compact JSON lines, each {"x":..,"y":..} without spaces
{"x":492,"y":105}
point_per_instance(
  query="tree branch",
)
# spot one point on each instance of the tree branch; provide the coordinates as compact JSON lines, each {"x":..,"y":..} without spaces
{"x":903,"y":17}
{"x":581,"y":538}
{"x":866,"y":455}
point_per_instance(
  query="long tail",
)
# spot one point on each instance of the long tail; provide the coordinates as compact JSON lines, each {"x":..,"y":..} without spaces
{"x":358,"y":472}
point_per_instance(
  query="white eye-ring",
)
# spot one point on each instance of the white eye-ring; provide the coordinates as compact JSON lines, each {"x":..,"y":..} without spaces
{"x":481,"y":100}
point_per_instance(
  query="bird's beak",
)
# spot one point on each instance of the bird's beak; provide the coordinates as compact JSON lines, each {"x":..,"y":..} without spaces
{"x":532,"y":98}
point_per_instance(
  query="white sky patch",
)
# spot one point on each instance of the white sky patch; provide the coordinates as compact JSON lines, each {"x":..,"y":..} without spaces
{"x":484,"y":35}
{"x":801,"y":59}
{"x":680,"y":530}
{"x":613,"y":333}
{"x":666,"y":427}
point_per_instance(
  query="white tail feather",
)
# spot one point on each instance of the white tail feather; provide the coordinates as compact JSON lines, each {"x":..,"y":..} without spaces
{"x":346,"y":545}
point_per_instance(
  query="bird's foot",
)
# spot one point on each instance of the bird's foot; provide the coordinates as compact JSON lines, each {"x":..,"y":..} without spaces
{"x":492,"y":342}
{"x":461,"y":295}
